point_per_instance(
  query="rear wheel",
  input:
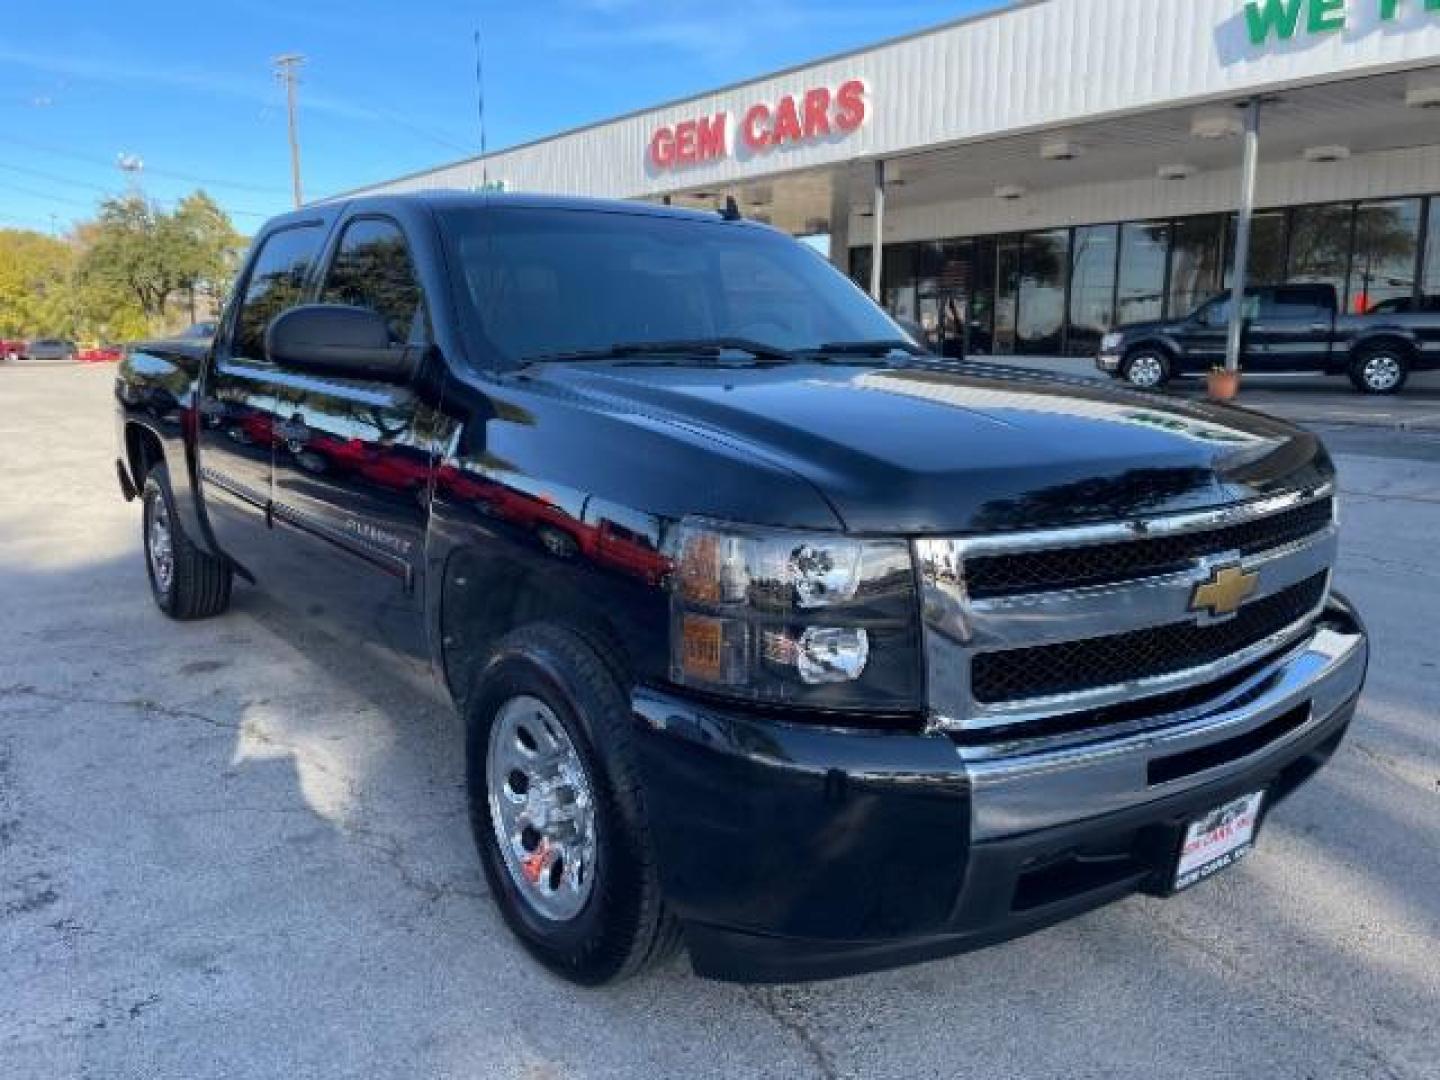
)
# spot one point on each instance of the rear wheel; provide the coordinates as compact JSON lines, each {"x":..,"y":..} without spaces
{"x":187,"y":583}
{"x":1379,"y":370}
{"x":1146,"y":369}
{"x":557,"y":810}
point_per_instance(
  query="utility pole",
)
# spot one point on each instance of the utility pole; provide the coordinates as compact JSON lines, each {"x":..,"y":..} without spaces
{"x":287,"y":67}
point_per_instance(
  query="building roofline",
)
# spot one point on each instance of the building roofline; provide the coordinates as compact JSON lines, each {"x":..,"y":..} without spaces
{"x":1008,"y":8}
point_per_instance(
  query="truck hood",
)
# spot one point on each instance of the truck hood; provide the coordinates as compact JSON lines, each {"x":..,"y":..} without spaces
{"x":946,"y":447}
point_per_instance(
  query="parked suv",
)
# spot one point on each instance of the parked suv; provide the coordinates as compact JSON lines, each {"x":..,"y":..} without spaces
{"x":1287,"y":328}
{"x":771,"y":635}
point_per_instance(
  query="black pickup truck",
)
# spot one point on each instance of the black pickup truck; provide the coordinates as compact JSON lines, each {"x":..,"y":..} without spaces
{"x":1287,"y":329}
{"x":771,"y":636}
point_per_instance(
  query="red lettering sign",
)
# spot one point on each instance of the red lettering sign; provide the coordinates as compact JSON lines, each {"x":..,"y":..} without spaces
{"x":788,"y":120}
{"x":756,"y":129}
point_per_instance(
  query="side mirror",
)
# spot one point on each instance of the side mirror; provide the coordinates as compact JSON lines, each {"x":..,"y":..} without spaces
{"x":339,"y":340}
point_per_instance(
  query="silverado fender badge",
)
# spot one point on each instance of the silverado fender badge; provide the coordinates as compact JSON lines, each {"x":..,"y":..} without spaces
{"x":1224,"y":591}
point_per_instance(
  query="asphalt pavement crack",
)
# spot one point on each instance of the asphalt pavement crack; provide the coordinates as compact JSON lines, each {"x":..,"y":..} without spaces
{"x":391,"y":853}
{"x":789,"y":1015}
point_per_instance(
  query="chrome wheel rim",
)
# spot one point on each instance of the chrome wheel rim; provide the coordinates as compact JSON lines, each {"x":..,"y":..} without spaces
{"x":1381,"y":372}
{"x":542,"y":808}
{"x":160,"y":545}
{"x":1146,"y":370}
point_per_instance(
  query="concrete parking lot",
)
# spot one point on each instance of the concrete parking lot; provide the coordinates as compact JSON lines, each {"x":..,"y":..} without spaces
{"x":239,"y":849}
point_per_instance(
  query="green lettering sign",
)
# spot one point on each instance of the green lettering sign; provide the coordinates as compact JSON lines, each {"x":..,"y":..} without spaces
{"x":1390,"y":8}
{"x":1280,"y":19}
{"x":1266,"y":17}
{"x":1326,"y":15}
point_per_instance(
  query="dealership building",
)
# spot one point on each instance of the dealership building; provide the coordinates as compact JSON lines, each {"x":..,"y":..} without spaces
{"x":1027,"y":178}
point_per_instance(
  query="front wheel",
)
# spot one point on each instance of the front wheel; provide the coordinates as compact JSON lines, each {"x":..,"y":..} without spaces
{"x":1379,"y":371}
{"x":187,"y":583}
{"x":1146,"y":369}
{"x":557,"y":810}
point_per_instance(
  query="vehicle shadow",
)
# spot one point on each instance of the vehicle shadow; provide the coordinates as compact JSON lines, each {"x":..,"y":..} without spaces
{"x":263,"y":828}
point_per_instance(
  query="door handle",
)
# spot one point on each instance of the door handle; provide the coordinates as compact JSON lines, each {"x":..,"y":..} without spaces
{"x":1319,"y":327}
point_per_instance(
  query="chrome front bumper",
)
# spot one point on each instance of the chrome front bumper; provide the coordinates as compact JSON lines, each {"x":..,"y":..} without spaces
{"x":1038,"y":784}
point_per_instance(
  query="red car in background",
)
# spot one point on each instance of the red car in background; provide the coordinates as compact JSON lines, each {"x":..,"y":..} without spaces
{"x":102,"y":354}
{"x":11,"y":348}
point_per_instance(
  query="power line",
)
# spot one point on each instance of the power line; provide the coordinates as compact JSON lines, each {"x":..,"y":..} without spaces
{"x":91,"y":159}
{"x":40,"y":174}
{"x":62,"y":200}
{"x":45,"y":195}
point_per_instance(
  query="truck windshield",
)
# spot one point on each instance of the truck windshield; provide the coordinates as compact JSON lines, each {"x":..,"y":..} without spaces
{"x":549,"y":283}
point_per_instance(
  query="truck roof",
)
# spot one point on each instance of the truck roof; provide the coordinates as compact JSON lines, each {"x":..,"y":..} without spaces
{"x":452,"y":199}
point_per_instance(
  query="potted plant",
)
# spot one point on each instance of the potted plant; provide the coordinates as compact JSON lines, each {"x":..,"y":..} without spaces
{"x":1223,"y":383}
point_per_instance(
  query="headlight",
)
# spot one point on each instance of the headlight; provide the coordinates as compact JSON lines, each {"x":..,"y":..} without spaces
{"x":1110,"y":341}
{"x":806,"y":619}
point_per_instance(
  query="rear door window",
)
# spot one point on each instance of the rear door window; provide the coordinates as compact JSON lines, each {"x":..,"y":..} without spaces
{"x":1293,"y":304}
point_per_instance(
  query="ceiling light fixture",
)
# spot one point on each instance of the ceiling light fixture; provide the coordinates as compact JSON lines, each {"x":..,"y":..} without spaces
{"x":1423,"y":91}
{"x":1180,"y":170}
{"x":1216,"y":124}
{"x":1059,"y":150}
{"x":1326,"y":154}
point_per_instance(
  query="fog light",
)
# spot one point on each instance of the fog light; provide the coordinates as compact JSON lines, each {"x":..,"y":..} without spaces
{"x":821,"y":654}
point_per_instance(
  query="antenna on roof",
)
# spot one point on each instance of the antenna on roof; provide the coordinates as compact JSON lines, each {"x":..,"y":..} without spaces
{"x":732,"y":209}
{"x":480,"y":107}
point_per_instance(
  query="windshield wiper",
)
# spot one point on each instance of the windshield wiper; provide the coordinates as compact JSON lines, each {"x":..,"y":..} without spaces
{"x":708,"y":348}
{"x":876,"y":349}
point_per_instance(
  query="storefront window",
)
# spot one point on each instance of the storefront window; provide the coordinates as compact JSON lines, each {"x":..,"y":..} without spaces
{"x":897,"y":281}
{"x":947,"y":285}
{"x":1320,"y":246}
{"x":1430,"y":277}
{"x":1194,"y":263}
{"x":860,"y":261}
{"x":1387,"y":241}
{"x":1007,"y":293}
{"x":1144,"y":246}
{"x":1266,"y":265}
{"x":1040,"y":318}
{"x":1092,"y":288}
{"x":981,"y":301}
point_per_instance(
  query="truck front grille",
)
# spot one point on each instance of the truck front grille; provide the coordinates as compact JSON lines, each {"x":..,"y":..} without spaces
{"x":1084,"y":627}
{"x":1015,"y":573}
{"x":1047,"y":670}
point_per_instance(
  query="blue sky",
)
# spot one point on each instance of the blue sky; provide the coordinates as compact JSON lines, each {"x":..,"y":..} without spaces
{"x":388,"y":87}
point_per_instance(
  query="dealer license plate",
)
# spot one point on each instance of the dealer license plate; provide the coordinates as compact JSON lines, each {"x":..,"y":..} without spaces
{"x":1219,"y":839}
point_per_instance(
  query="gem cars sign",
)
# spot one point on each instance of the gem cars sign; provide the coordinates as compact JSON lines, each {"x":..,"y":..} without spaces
{"x":798,"y":119}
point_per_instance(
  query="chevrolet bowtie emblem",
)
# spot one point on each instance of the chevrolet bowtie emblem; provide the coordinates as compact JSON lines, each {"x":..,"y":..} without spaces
{"x":1227,"y":588}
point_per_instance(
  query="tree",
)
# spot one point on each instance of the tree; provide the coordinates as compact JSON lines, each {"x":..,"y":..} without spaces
{"x":138,"y":250}
{"x":206,"y":248}
{"x":36,"y":293}
{"x":134,"y":250}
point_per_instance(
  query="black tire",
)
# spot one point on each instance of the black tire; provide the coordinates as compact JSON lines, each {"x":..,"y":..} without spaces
{"x":624,"y":926}
{"x":1379,"y":369}
{"x":197,"y":585}
{"x":1138,"y":365}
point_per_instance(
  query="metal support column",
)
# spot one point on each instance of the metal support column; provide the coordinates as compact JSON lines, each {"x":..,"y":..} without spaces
{"x":1242,"y":235}
{"x":840,"y":218}
{"x":877,"y":242}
